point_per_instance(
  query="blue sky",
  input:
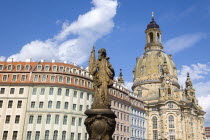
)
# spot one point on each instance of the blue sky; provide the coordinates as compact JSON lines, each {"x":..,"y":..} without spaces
{"x":67,"y":29}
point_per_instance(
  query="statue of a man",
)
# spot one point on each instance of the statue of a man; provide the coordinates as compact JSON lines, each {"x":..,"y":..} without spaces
{"x":103,"y":75}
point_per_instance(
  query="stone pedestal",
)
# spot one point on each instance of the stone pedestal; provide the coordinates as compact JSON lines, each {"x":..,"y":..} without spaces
{"x":100,"y":124}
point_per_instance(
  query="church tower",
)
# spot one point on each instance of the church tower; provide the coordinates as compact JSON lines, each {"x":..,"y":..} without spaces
{"x":173,"y":113}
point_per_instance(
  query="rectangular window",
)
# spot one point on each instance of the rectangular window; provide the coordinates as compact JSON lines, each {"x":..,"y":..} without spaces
{"x":67,"y":92}
{"x":34,"y":91}
{"x":5,"y":78}
{"x":12,"y":90}
{"x":10,"y":104}
{"x":39,"y":119}
{"x":81,"y":95}
{"x":76,"y":81}
{"x":14,"y":136}
{"x":87,"y":107}
{"x":83,"y":83}
{"x":2,"y":90}
{"x":7,"y":119}
{"x":1,"y":67}
{"x":88,"y":96}
{"x":65,"y":120}
{"x":56,"y":119}
{"x":19,"y":67}
{"x":51,"y":91}
{"x":60,"y":80}
{"x":48,"y":119}
{"x":58,"y":104}
{"x":75,"y":93}
{"x":36,"y":78}
{"x":61,"y":69}
{"x":5,"y":133}
{"x":19,"y":104}
{"x":23,"y":78}
{"x":42,"y":91}
{"x":66,"y":105}
{"x":41,"y":104}
{"x":72,"y":136}
{"x":44,"y":78}
{"x":1,"y":103}
{"x":68,"y":80}
{"x":17,"y":118}
{"x":79,"y":136}
{"x":73,"y":121}
{"x":28,"y":135}
{"x":155,"y":135}
{"x":59,"y":91}
{"x":32,"y":104}
{"x":37,"y":135}
{"x":49,"y":104}
{"x":80,"y":107}
{"x":80,"y":122}
{"x":52,"y":79}
{"x":21,"y":90}
{"x":14,"y":78}
{"x":74,"y":106}
{"x":31,"y":118}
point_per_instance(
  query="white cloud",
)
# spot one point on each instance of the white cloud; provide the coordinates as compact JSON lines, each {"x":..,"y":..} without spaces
{"x":204,"y":102}
{"x":182,"y":42}
{"x":128,"y":85}
{"x":197,"y":71}
{"x":2,"y":58}
{"x":199,"y":74}
{"x":88,"y":28}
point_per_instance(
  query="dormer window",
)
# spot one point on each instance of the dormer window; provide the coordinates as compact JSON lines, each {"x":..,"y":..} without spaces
{"x":61,"y":69}
{"x":47,"y":68}
{"x":54,"y":68}
{"x":39,"y":68}
{"x":27,"y":67}
{"x":1,"y":67}
{"x":74,"y":71}
{"x":170,"y":105}
{"x":18,"y":67}
{"x":67,"y":69}
{"x":9,"y":67}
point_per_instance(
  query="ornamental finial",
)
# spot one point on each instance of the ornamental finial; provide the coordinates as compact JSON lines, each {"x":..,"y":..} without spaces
{"x":152,"y":15}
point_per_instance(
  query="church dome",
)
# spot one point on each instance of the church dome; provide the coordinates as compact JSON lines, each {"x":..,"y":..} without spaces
{"x":152,"y":24}
{"x":151,"y":64}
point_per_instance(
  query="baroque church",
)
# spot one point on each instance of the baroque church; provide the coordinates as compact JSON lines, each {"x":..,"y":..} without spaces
{"x":172,"y":113}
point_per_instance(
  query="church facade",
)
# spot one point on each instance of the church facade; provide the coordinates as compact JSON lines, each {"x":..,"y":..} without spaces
{"x":172,"y":113}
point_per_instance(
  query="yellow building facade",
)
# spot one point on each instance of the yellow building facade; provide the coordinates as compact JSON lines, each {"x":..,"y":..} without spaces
{"x":172,"y":113}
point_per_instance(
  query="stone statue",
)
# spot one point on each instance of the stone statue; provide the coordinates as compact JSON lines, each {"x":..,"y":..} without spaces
{"x":103,"y":75}
{"x":100,"y":123}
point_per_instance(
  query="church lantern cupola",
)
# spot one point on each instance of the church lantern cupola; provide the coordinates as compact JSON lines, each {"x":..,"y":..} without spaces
{"x":153,"y":36}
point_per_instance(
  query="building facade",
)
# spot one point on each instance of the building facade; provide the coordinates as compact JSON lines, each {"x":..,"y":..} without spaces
{"x":207,"y":131}
{"x":172,"y":113}
{"x":47,"y":100}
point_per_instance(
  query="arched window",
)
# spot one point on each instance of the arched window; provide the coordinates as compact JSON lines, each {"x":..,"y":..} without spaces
{"x":150,"y":37}
{"x":55,"y":135}
{"x":46,"y":137}
{"x":154,"y":122}
{"x":64,"y":135}
{"x":158,"y":37}
{"x":171,"y":121}
{"x":59,"y":91}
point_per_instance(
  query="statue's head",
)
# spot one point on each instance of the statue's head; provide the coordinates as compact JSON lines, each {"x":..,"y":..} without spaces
{"x":101,"y":53}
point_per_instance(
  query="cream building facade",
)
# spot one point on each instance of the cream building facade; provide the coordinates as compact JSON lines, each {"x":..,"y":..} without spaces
{"x":47,"y":100}
{"x":172,"y":113}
